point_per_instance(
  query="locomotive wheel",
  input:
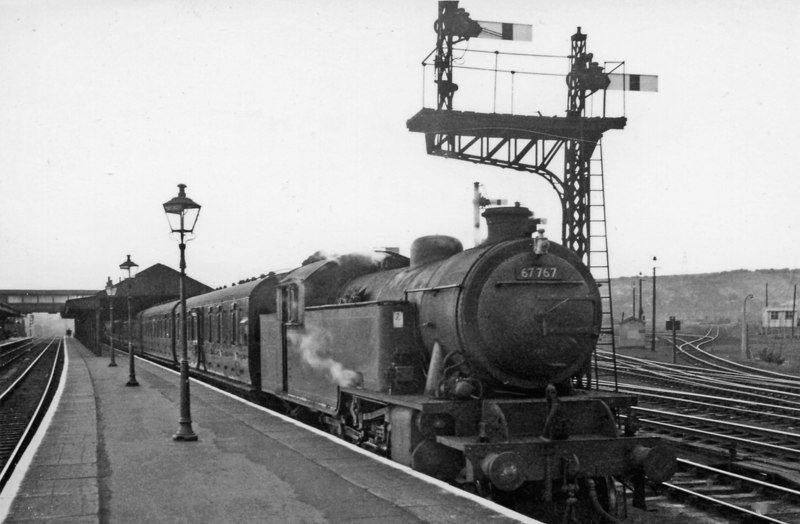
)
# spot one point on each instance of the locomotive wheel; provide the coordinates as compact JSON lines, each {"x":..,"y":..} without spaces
{"x":437,"y":461}
{"x":607,"y":496}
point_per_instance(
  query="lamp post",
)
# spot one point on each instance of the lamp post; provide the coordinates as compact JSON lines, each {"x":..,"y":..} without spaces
{"x":794,"y":309}
{"x":182,"y":213}
{"x":111,"y":291}
{"x":653,"y":345}
{"x":745,"y":349}
{"x":130,"y":267}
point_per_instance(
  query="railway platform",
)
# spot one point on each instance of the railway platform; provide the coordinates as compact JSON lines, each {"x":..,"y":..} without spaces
{"x":107,"y":455}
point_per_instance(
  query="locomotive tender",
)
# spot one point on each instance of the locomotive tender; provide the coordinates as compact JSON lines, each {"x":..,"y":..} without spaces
{"x":463,"y":364}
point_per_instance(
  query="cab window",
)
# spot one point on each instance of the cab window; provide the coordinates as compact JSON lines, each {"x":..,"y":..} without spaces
{"x":291,"y":306}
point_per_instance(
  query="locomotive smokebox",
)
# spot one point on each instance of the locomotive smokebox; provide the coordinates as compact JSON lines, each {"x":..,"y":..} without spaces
{"x":508,"y":223}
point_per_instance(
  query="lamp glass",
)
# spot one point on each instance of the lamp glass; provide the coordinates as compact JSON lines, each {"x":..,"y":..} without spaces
{"x":110,"y":289}
{"x":182,"y":212}
{"x":129,"y":268}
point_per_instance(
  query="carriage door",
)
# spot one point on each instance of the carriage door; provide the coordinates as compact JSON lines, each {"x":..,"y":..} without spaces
{"x":291,"y":325}
{"x":197,"y":332}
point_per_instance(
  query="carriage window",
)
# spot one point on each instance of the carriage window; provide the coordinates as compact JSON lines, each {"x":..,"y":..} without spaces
{"x":243,"y":331}
{"x":218,"y":325}
{"x":224,"y":335}
{"x":212,"y":317}
{"x":234,"y":332}
{"x":290,"y":305}
{"x":208,"y":325}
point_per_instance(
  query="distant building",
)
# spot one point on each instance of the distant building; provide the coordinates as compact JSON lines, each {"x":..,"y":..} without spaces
{"x":41,"y":300}
{"x":631,"y":333}
{"x":777,"y":319}
{"x":153,"y":285}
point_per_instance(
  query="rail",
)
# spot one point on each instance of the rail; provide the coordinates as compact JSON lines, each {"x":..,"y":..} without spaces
{"x":770,"y":492}
{"x":20,"y":423}
{"x":10,"y":352}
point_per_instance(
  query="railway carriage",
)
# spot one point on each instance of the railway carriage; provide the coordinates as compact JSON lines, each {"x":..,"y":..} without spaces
{"x":221,"y":339}
{"x":223,"y":329}
{"x":156,"y":332}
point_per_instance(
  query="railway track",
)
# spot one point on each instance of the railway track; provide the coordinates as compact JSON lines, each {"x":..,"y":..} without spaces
{"x":753,"y":391}
{"x":741,"y":419}
{"x":735,"y":496}
{"x":10,"y":352}
{"x":739,"y":441}
{"x":24,"y":399}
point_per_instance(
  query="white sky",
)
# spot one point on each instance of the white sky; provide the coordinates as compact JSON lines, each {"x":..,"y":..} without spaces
{"x":287,"y":121}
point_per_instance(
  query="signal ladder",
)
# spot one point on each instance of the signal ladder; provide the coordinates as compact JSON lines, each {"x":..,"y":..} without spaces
{"x":598,"y":257}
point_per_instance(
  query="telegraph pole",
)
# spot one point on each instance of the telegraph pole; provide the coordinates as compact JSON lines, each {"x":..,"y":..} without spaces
{"x":641,"y":305}
{"x":794,"y":310}
{"x":653,"y":345}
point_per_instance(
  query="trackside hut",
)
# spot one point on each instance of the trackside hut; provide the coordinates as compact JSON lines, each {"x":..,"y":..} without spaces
{"x":776,"y":319}
{"x":631,"y":333}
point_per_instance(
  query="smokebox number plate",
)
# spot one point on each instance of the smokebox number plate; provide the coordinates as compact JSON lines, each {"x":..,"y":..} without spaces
{"x":538,"y":273}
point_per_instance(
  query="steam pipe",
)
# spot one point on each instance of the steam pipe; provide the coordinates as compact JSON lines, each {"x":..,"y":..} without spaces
{"x":434,"y":370}
{"x":476,"y":210}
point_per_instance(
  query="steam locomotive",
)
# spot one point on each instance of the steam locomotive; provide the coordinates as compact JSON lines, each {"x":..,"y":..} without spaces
{"x":468,"y":365}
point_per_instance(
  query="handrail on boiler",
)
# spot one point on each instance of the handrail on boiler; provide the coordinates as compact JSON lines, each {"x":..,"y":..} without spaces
{"x":426,"y":289}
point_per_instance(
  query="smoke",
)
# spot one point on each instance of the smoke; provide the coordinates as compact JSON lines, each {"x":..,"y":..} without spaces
{"x":311,"y":346}
{"x":48,"y":325}
{"x":356,"y":261}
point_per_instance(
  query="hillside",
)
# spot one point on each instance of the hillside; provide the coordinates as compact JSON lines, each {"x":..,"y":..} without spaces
{"x":708,"y":297}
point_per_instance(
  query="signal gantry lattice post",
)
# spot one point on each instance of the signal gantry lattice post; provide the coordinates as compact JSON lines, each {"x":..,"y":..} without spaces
{"x":520,"y":142}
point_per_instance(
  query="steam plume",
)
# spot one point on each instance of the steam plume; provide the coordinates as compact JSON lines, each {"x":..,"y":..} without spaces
{"x":311,"y":345}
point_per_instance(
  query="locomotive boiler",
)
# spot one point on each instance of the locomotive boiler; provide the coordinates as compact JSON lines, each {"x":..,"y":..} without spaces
{"x":467,"y":365}
{"x":517,"y":313}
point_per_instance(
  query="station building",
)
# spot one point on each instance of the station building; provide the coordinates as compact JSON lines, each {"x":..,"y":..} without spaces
{"x":12,"y":323}
{"x":153,"y":285}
